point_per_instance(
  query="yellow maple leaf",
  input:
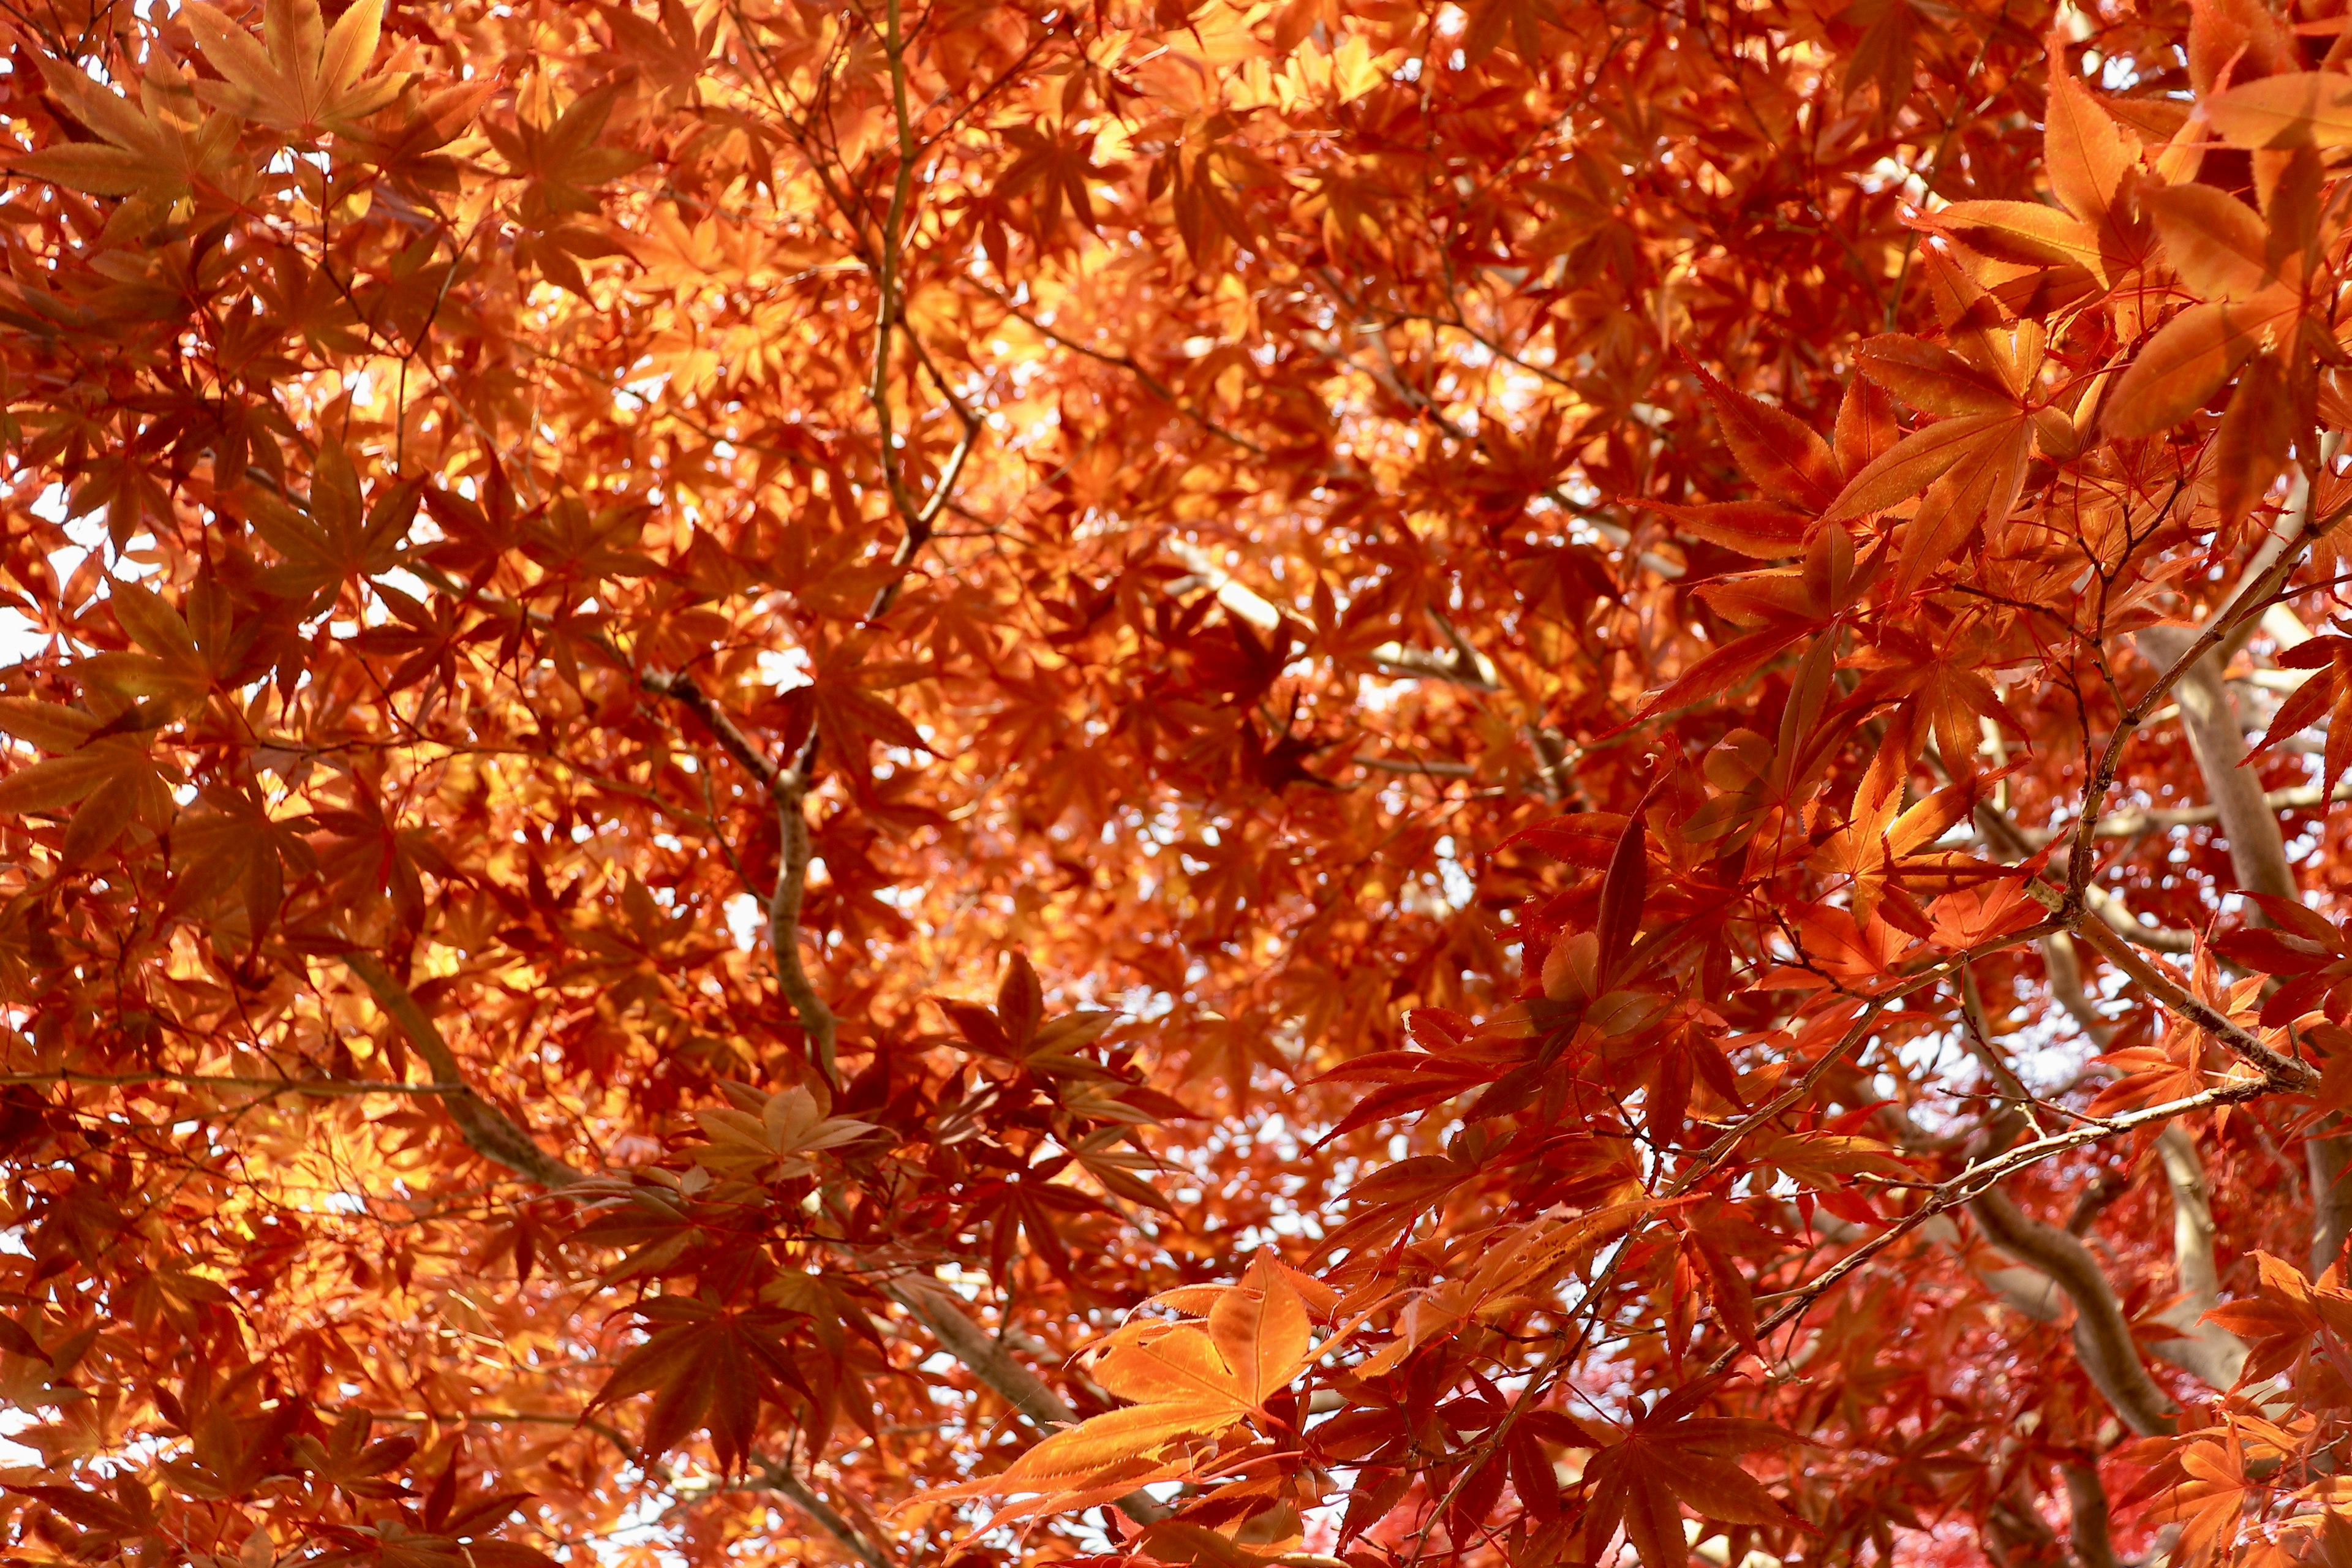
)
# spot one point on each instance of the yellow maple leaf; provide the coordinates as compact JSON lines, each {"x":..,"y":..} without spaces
{"x":1190,"y":1382}
{"x":156,"y":147}
{"x":303,"y":77}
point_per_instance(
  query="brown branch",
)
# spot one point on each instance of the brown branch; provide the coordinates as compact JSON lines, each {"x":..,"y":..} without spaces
{"x":2257,"y":848}
{"x":1860,"y":1030}
{"x":2103,"y":1338}
{"x":2017,"y":844}
{"x":778,"y":1478}
{"x":2326,"y":1156}
{"x":2296,"y":797}
{"x":490,"y":1133}
{"x":2087,"y":1503}
{"x":788,"y":786}
{"x":485,"y":1129}
{"x":2284,"y":1072}
{"x":683,"y":691}
{"x":773,"y":1475}
{"x":1980,"y":1176}
{"x":2024,"y":1290}
{"x":937,"y":1308}
{"x":792,"y":853}
{"x":2064,"y":969}
{"x":2118,"y":918}
{"x":1416,"y":765}
{"x":2245,"y":605}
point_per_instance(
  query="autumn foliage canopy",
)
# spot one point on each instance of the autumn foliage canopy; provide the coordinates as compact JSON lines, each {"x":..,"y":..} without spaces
{"x":1254,"y":783}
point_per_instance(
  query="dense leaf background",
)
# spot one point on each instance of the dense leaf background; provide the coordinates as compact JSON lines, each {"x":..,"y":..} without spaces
{"x":1332,"y":783}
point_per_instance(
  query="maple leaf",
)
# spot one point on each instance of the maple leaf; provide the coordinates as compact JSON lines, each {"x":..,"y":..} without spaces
{"x":1970,"y":461}
{"x":564,"y":159}
{"x":1512,"y":1272}
{"x":1670,"y":1458}
{"x":2211,"y":1492}
{"x":1886,"y":854}
{"x":303,"y":76}
{"x":706,"y":1365}
{"x":2326,"y":693}
{"x":1610,"y":899}
{"x":2262,"y":278}
{"x":1781,"y":455}
{"x":235,"y":846}
{"x":334,"y":536}
{"x":348,"y":1461}
{"x":2089,"y":164}
{"x":1783,"y":608}
{"x":1885,"y":55}
{"x":2282,"y":112}
{"x":125,"y":1513}
{"x":112,"y":782}
{"x":1189,"y":1383}
{"x":673,"y":50}
{"x":154,"y":149}
{"x":1054,"y":167}
{"x":2305,"y":950}
{"x":1017,"y":1030}
{"x":2183,"y":1063}
{"x":2285,"y":1317}
{"x":170,"y":676}
{"x":773,"y":1134}
{"x":1521,"y":21}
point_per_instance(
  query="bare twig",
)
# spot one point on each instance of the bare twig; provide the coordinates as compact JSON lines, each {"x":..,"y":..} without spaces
{"x":1980,"y":1176}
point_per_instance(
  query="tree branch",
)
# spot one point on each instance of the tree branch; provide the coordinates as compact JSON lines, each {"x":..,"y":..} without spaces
{"x":1980,"y":1177}
{"x":2208,"y":1350}
{"x":2017,"y":844}
{"x":2087,"y":1502}
{"x":937,"y":1308}
{"x":788,"y":786}
{"x":846,"y":1535}
{"x":2257,"y":848}
{"x":2325,"y":1157}
{"x":2245,"y":605}
{"x":485,"y":1129}
{"x":325,"y":1087}
{"x":2102,"y":1337}
{"x":491,"y":1134}
{"x":2286,"y":1072}
{"x":2296,"y":798}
